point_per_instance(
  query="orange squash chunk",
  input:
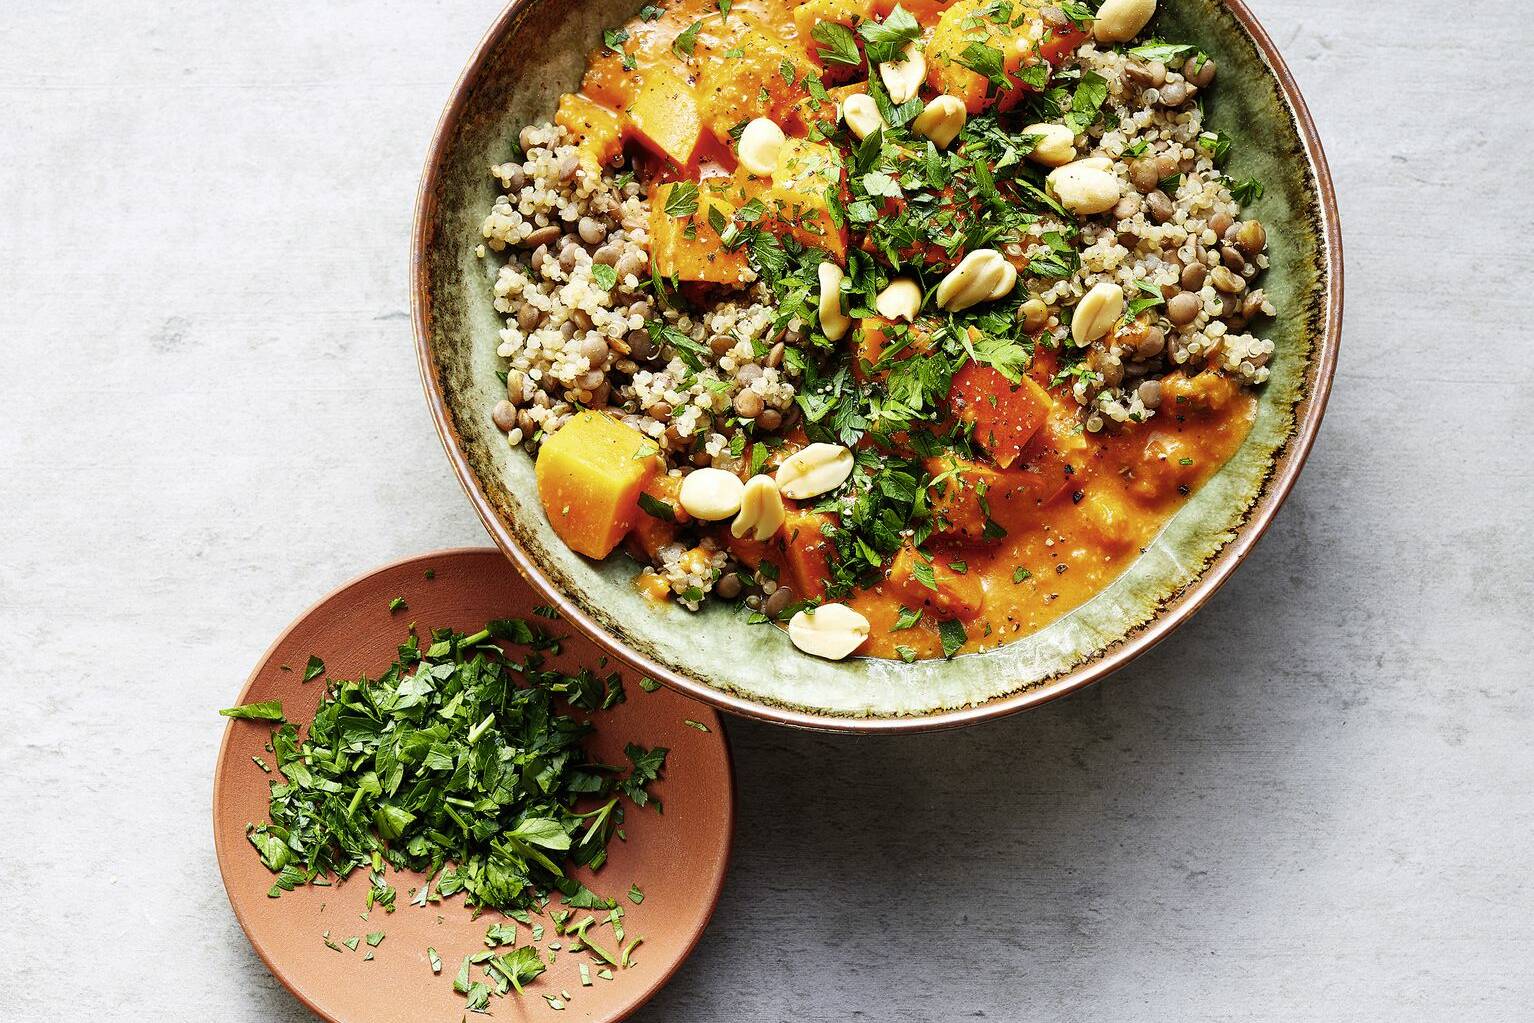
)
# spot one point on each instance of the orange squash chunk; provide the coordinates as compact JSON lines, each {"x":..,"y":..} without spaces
{"x":590,"y":473}
{"x":689,"y":248}
{"x":796,"y":202}
{"x":1168,"y":461}
{"x":665,"y":117}
{"x":966,"y":492}
{"x":651,"y":532}
{"x":841,"y":12}
{"x":1107,"y":518}
{"x":807,"y":551}
{"x":598,"y":130}
{"x":1005,"y":415}
{"x":734,"y":90}
{"x":1022,"y":38}
{"x":1207,"y":391}
{"x":1055,"y":458}
{"x":952,"y":594}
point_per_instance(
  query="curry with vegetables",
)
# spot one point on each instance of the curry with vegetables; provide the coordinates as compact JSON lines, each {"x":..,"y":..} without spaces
{"x":905,"y":326}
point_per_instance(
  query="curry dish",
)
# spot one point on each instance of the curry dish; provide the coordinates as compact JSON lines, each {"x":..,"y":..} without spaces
{"x":905,"y":326}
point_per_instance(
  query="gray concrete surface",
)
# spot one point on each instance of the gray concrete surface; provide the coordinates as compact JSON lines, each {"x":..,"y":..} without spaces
{"x":1313,"y":803}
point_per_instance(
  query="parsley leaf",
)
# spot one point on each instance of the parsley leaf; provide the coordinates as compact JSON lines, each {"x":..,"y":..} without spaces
{"x":682,"y":199}
{"x":887,"y":39}
{"x":459,"y":763}
{"x":266,"y":710}
{"x":838,"y":46}
{"x":1158,"y":50}
{"x":952,"y":635}
{"x":684,"y":43}
{"x":605,"y":276}
{"x":1087,"y":101}
{"x":986,"y":61}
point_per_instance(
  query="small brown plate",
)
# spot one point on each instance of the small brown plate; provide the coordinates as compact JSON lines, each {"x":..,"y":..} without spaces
{"x":676,"y":858}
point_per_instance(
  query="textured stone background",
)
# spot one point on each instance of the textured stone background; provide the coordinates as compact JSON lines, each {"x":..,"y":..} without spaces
{"x":1315,"y":802}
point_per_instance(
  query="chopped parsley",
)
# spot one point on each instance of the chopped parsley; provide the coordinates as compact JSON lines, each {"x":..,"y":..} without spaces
{"x":458,"y":763}
{"x":266,"y":710}
{"x":685,"y":42}
{"x":838,"y":46}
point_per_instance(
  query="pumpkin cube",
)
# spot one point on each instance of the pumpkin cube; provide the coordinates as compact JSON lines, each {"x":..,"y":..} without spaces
{"x":850,"y":13}
{"x":1005,"y":415}
{"x":1108,"y":518}
{"x":1017,"y":38}
{"x":797,"y":203}
{"x":965,"y":497}
{"x":807,"y":551}
{"x":1055,"y":458}
{"x":687,"y":246}
{"x":598,"y":130}
{"x":590,"y":473}
{"x":735,"y":89}
{"x":665,"y":117}
{"x":934,"y":586}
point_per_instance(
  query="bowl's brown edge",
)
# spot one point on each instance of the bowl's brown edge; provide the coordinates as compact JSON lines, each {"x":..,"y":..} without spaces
{"x":273,"y":966}
{"x":1309,"y":411}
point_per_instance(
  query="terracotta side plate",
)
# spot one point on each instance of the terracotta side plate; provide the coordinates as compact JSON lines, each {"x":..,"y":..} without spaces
{"x":677,"y":858}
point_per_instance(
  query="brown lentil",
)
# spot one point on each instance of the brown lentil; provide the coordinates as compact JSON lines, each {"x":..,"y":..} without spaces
{"x":1183,"y":308}
{"x":748,"y":404}
{"x":541,"y":236}
{"x":1199,"y":71}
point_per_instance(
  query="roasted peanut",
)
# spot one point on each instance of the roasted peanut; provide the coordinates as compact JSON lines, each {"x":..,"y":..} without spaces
{"x":1097,"y":312}
{"x":759,"y":146}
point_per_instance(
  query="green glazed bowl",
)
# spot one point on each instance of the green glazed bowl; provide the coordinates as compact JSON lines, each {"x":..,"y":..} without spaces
{"x":536,"y":51}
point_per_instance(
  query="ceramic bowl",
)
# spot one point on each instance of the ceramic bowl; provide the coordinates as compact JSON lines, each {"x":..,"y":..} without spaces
{"x":535,"y":51}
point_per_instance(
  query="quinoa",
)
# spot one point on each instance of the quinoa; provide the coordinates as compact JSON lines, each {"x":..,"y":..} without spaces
{"x":1151,"y":239}
{"x":569,"y":227}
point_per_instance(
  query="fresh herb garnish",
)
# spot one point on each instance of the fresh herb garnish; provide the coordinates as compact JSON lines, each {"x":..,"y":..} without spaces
{"x":838,"y":46}
{"x":684,"y":43}
{"x":457,"y":763}
{"x":952,"y":635}
{"x":266,"y":710}
{"x":885,"y":40}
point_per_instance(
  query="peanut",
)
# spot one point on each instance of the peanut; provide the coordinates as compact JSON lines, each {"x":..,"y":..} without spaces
{"x":833,"y":321}
{"x":832,"y":631}
{"x":902,"y":78}
{"x":711,"y":494}
{"x":901,"y":300}
{"x":1119,"y":21}
{"x":981,"y":276}
{"x":1085,"y":186}
{"x":861,"y":114}
{"x":1097,"y":312}
{"x":1056,"y":146}
{"x":761,"y":510}
{"x":942,"y":120}
{"x":759,"y":146}
{"x":814,"y":470}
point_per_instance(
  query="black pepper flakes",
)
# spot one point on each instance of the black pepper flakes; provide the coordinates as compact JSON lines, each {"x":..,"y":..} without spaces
{"x":1077,"y":495}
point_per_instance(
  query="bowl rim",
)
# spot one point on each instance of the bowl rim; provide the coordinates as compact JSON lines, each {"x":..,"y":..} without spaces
{"x":1174,"y":612}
